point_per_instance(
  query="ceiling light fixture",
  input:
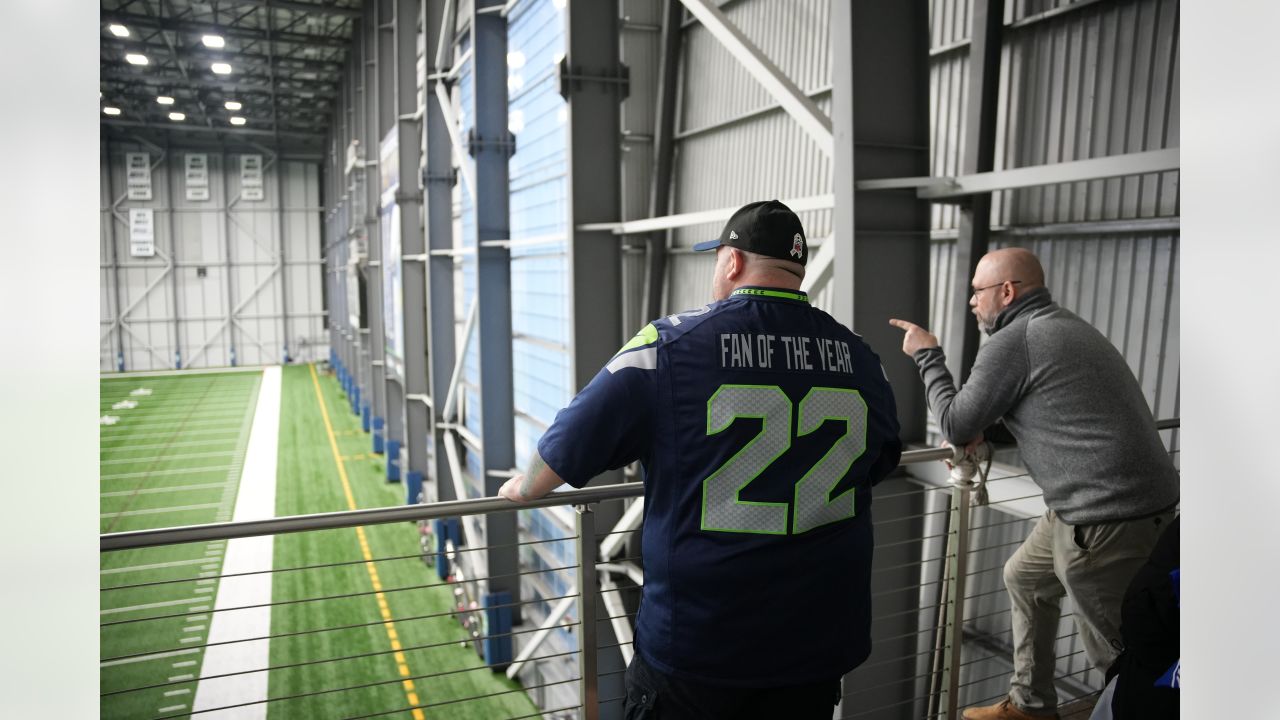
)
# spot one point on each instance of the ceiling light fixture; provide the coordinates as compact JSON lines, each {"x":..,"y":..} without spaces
{"x":110,"y":111}
{"x":177,"y":116}
{"x":221,"y":68}
{"x":164,"y":100}
{"x":213,"y":41}
{"x":136,"y":59}
{"x":232,"y":104}
{"x":118,"y":30}
{"x":237,"y":120}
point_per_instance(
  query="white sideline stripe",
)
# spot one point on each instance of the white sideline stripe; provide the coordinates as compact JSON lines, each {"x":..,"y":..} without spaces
{"x":152,"y":566}
{"x":151,"y":606}
{"x":160,"y":511}
{"x":126,"y":461}
{"x":256,"y":500}
{"x":153,"y":491}
{"x":152,"y":656}
{"x":166,"y":473}
{"x":153,"y":446}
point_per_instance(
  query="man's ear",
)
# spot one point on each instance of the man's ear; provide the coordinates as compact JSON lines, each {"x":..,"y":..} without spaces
{"x":737,"y":263}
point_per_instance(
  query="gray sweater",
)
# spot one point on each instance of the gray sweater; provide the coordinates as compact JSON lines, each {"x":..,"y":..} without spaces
{"x":1082,"y":424}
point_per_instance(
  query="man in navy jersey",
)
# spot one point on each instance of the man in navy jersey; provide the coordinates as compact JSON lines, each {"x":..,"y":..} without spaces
{"x":762,"y":424}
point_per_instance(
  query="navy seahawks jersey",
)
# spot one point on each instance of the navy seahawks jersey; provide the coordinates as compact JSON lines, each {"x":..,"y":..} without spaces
{"x":761,"y":424}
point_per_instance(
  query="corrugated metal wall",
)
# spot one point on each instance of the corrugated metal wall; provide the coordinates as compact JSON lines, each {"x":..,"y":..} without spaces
{"x":734,"y":144}
{"x":1077,"y":81}
{"x":190,"y":313}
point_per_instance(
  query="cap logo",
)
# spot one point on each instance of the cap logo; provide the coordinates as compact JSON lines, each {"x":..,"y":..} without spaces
{"x":733,"y":235}
{"x":797,"y":246}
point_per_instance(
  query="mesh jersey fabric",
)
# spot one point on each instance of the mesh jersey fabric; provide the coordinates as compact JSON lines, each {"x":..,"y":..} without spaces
{"x":761,"y":424}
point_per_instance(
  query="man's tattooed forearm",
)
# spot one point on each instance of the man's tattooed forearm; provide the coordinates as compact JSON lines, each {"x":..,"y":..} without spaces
{"x":536,"y":466}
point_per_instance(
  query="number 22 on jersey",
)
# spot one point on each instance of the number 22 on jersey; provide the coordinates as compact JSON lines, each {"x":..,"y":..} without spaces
{"x":723,"y":510}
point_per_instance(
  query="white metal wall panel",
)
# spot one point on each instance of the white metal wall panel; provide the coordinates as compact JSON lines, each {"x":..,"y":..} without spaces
{"x":189,"y":312}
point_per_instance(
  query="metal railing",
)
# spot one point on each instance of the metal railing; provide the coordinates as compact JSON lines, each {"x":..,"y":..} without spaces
{"x":942,"y":645}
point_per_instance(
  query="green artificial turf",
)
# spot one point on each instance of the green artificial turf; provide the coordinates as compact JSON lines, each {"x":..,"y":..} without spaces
{"x":180,"y":447}
{"x":309,"y":482}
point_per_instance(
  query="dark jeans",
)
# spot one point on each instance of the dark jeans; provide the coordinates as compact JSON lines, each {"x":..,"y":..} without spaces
{"x":654,"y":695}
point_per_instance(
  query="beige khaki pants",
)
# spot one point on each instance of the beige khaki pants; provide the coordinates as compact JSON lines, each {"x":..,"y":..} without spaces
{"x":1091,"y":564}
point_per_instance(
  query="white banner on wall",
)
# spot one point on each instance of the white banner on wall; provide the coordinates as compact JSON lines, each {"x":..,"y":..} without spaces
{"x":197,"y":176}
{"x":142,"y":232}
{"x":138,"y":175}
{"x":251,"y":177}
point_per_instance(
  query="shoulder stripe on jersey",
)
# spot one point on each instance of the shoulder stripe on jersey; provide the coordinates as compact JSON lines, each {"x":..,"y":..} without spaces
{"x":642,"y":359}
{"x":648,"y":335}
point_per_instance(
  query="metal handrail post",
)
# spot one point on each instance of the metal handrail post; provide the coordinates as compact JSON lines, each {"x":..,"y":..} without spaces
{"x":963,"y":470}
{"x":588,"y":585}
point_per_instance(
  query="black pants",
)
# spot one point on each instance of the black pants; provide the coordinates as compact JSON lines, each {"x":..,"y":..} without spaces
{"x":654,"y":695}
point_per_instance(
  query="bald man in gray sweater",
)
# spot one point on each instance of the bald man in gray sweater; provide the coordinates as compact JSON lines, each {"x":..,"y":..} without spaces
{"x":1088,"y":437}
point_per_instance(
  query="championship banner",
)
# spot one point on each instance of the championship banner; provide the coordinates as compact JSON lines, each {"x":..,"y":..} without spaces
{"x":251,"y":177}
{"x":197,"y":182}
{"x":138,"y":175}
{"x":142,"y":232}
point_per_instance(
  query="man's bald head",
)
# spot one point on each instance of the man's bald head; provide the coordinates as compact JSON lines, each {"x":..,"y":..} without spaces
{"x":1012,"y":263}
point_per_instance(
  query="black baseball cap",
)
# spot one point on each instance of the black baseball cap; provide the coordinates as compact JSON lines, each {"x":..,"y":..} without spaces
{"x":767,"y":228}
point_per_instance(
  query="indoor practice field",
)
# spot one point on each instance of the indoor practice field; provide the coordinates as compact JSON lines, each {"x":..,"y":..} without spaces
{"x":356,"y":619}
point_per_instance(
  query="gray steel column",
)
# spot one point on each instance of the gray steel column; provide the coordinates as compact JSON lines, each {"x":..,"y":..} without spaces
{"x":973,"y":238}
{"x":374,"y":97}
{"x":880,"y":121}
{"x":118,"y":360}
{"x":438,"y":179}
{"x":391,"y":400}
{"x":593,"y":91}
{"x":226,"y":222}
{"x":664,"y":151}
{"x":358,"y":366}
{"x":284,"y":243}
{"x":491,"y":149}
{"x":412,"y":242}
{"x":173,"y":254}
{"x":880,"y":117}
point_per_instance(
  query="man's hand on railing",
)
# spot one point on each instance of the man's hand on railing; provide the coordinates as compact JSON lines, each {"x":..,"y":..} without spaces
{"x":970,"y":448}
{"x":536,"y":482}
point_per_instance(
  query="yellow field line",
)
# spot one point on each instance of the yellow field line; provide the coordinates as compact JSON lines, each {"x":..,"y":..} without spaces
{"x":402,"y":664}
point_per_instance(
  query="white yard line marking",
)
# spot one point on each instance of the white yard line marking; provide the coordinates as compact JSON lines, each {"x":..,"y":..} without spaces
{"x":156,"y":446}
{"x":193,"y":628}
{"x":180,"y":678}
{"x":185,"y":663}
{"x":172,"y":693}
{"x":172,"y":708}
{"x":165,"y":473}
{"x":152,"y":606}
{"x":152,"y":656}
{"x":154,"y":491}
{"x":233,"y":432}
{"x":254,"y":501}
{"x":126,"y":461}
{"x":152,"y":566}
{"x":192,"y":639}
{"x":160,"y":511}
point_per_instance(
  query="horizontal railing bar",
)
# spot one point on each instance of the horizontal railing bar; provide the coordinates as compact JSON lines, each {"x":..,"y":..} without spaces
{"x":867,"y":688}
{"x":362,"y":686}
{"x":305,"y":663}
{"x":1007,"y":657}
{"x":308,"y":663}
{"x":878,"y":708}
{"x":1006,"y":672}
{"x":400,"y":513}
{"x":299,"y":602}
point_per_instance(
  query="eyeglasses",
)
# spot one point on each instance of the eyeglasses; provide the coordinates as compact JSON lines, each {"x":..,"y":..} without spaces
{"x":978,"y":290}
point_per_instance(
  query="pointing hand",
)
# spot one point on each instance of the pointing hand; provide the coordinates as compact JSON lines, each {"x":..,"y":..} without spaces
{"x":916,"y":339}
